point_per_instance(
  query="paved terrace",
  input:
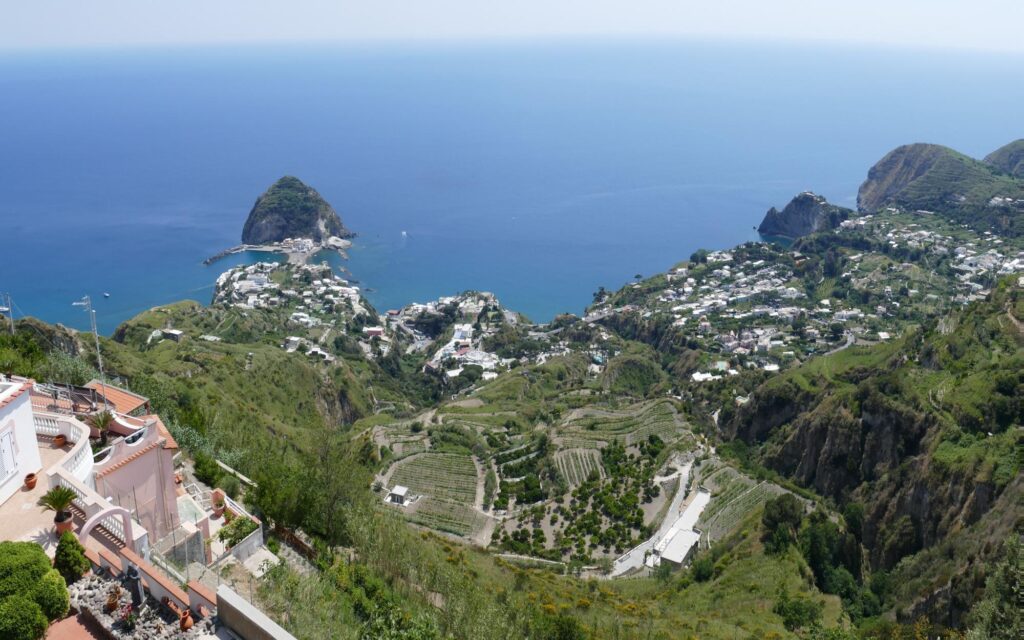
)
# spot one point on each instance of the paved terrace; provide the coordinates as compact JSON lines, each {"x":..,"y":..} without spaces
{"x":23,"y":520}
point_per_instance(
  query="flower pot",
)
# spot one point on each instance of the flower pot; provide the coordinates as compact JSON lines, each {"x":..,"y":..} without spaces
{"x":60,"y":440}
{"x":30,"y":481}
{"x":218,"y":509}
{"x":63,"y":523}
{"x":186,"y":622}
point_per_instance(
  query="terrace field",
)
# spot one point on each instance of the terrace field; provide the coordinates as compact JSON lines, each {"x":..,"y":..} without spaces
{"x":438,"y":475}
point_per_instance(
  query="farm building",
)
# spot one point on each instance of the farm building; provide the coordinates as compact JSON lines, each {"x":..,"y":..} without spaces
{"x":399,"y":495}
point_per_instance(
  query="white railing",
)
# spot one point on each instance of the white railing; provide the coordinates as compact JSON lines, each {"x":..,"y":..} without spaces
{"x":239,"y":509}
{"x":46,"y":426}
{"x":78,"y":461}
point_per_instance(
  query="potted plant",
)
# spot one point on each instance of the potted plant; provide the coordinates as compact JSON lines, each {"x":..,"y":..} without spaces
{"x":128,"y":616}
{"x":217,"y":500}
{"x":113,"y":598}
{"x":60,"y":440}
{"x":30,"y":481}
{"x":101,"y":422}
{"x":59,"y":499}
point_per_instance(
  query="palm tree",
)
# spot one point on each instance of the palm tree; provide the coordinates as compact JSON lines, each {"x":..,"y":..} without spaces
{"x":102,"y":421}
{"x":58,"y":499}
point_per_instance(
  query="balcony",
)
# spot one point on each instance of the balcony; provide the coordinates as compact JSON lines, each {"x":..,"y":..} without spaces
{"x":70,"y":465}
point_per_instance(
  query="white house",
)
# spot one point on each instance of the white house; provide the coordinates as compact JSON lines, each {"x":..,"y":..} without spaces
{"x":399,"y":495}
{"x":19,"y":452}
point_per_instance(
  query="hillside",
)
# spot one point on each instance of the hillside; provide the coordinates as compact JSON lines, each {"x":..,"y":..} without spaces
{"x":919,"y":437}
{"x":805,"y":214}
{"x":938,"y":179}
{"x":1008,"y":158}
{"x":291,"y":209}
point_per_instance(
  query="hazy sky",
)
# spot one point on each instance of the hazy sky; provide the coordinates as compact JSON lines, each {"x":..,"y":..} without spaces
{"x":964,"y":24}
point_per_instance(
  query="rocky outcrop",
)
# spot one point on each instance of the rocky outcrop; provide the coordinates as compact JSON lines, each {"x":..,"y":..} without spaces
{"x":805,"y":214}
{"x":292,"y":209}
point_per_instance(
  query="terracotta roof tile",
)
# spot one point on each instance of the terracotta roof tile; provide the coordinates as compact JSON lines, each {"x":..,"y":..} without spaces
{"x":124,"y":401}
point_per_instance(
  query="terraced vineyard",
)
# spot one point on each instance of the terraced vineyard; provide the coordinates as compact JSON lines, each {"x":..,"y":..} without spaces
{"x":439,"y":475}
{"x":629,"y":427}
{"x":446,"y":515}
{"x":575,"y":465}
{"x":730,"y":514}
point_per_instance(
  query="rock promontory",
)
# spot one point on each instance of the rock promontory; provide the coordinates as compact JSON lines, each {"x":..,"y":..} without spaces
{"x":292,"y":209}
{"x":805,"y":214}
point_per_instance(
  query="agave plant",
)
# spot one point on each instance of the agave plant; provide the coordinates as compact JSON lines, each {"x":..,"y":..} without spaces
{"x":58,"y":499}
{"x":102,"y":421}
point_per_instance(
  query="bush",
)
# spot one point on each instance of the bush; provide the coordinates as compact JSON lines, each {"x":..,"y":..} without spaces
{"x":781,"y":519}
{"x":51,"y":594}
{"x":22,"y":565}
{"x":797,"y":612}
{"x":703,"y":569}
{"x":69,"y":559}
{"x":21,"y":619}
{"x":206,"y":469}
{"x":230,"y":485}
{"x":236,"y":530}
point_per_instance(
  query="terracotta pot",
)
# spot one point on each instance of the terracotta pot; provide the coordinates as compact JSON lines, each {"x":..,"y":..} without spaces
{"x":60,"y":440}
{"x":218,"y":509}
{"x":186,"y":622}
{"x":30,"y":481}
{"x":63,"y":523}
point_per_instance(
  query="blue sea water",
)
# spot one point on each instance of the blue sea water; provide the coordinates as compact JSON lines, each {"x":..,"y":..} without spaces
{"x":537,"y":170}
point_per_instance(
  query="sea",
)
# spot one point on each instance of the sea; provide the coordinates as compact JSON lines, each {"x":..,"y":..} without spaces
{"x":538,"y":170}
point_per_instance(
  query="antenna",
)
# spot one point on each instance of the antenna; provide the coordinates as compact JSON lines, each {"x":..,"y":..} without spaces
{"x":10,"y":311}
{"x":86,"y":302}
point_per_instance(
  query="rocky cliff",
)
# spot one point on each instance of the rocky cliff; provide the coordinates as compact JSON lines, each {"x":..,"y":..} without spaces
{"x":292,"y":209}
{"x":805,"y":214}
{"x":922,"y":434}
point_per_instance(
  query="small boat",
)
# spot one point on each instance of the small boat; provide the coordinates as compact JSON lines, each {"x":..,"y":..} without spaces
{"x":106,"y":295}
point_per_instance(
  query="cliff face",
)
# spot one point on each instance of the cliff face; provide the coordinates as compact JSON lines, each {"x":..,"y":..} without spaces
{"x":889,"y":177}
{"x":807,"y":213}
{"x":292,"y":209}
{"x":921,"y":434}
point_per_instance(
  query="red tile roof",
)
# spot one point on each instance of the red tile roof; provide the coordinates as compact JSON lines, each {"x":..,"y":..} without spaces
{"x":124,"y":401}
{"x":24,"y":386}
{"x":169,"y":441}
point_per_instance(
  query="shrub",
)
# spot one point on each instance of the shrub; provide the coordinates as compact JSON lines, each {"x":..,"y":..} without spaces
{"x":797,"y":612}
{"x":230,"y":485}
{"x":781,"y":519}
{"x":51,"y":594}
{"x":206,"y":469}
{"x":22,"y":565}
{"x":21,"y":619}
{"x":236,"y":531}
{"x":703,"y":569}
{"x":69,"y":559}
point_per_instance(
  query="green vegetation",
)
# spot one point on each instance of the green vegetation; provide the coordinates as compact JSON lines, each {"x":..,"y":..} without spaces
{"x":936,"y":178}
{"x":237,"y":530}
{"x":69,"y":558}
{"x":31,"y":592}
{"x":291,"y":209}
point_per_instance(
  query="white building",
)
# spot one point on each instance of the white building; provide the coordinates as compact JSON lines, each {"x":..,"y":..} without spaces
{"x":19,"y":451}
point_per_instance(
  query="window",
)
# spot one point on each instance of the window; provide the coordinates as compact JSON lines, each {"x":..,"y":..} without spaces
{"x":8,"y":465}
